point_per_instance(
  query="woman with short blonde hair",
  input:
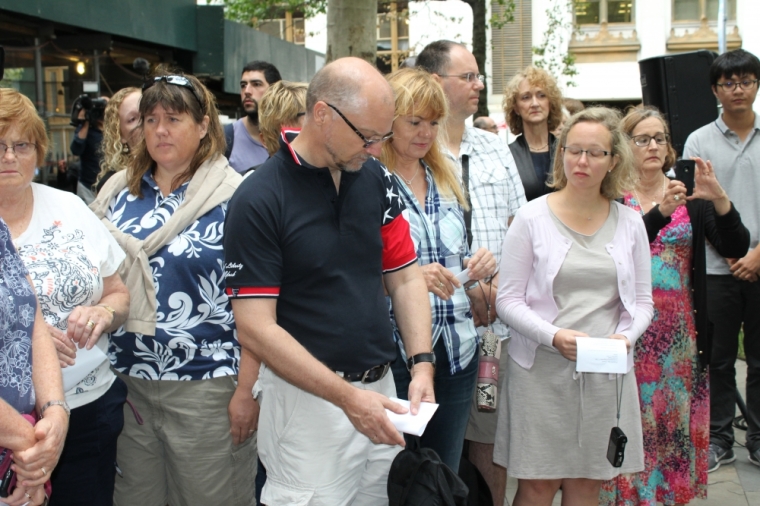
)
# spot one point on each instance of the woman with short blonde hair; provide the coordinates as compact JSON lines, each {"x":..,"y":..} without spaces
{"x":283,"y":105}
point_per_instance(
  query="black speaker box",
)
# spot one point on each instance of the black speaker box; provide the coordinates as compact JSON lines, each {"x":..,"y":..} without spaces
{"x":679,"y":86}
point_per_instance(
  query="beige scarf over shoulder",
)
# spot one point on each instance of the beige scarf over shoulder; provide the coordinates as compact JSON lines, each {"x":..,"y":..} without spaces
{"x":213,"y":183}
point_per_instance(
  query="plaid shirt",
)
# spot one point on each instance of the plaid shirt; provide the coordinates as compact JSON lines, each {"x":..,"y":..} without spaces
{"x":438,"y":232}
{"x":496,"y":192}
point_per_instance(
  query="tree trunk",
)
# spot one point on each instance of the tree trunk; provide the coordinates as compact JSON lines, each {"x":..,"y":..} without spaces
{"x":479,"y":26}
{"x":352,"y":29}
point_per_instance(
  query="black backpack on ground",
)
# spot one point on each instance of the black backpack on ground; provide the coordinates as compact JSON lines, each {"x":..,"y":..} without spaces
{"x":418,"y":477}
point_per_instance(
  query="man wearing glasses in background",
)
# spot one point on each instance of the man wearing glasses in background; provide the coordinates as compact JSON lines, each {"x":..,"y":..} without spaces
{"x":732,"y":143}
{"x":496,"y":193}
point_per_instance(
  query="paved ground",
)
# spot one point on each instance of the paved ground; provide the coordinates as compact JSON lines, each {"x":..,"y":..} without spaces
{"x":736,"y":484}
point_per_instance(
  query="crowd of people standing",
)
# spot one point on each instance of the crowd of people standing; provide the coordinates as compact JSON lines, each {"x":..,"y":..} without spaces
{"x":238,"y":305}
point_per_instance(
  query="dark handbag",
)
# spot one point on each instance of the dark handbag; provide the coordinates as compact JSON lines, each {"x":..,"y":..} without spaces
{"x":418,"y":477}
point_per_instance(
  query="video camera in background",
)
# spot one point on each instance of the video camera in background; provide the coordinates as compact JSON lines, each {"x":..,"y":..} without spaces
{"x":94,"y":109}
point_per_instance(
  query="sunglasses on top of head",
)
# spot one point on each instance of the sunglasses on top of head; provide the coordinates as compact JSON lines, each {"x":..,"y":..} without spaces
{"x":181,"y":81}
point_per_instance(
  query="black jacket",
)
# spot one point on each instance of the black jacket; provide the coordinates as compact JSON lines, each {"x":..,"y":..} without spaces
{"x":88,"y":151}
{"x":730,"y":238}
{"x":521,"y":153}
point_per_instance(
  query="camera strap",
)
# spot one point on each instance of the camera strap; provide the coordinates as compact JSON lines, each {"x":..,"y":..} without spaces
{"x":619,"y":396}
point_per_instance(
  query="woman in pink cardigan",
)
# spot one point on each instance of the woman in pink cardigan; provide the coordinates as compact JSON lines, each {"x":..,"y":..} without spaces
{"x":575,"y":265}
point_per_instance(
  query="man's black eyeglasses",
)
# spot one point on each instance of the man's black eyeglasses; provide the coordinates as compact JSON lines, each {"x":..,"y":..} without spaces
{"x":367,"y":142}
{"x":745,"y":84}
{"x":176,"y":81}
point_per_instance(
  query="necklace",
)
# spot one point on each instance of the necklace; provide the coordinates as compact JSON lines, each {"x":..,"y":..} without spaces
{"x":654,"y":200}
{"x":409,"y":181}
{"x":539,"y":148}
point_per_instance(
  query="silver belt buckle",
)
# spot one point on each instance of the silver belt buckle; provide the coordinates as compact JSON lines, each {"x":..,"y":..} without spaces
{"x":366,"y":373}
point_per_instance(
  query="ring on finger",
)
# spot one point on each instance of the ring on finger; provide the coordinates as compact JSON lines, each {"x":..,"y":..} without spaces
{"x":28,"y":496}
{"x":90,"y":324}
{"x":676,"y":198}
{"x":44,"y":473}
{"x":440,"y":285}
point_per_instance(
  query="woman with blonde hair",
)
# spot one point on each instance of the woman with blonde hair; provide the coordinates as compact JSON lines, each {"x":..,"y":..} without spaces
{"x":283,"y":105}
{"x":431,"y":191}
{"x":673,"y":356}
{"x":533,"y":108}
{"x":178,"y":351}
{"x":575,"y":265}
{"x":121,"y":133}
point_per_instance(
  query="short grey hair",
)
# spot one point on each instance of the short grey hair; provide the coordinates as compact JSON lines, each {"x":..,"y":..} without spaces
{"x":340,"y":91}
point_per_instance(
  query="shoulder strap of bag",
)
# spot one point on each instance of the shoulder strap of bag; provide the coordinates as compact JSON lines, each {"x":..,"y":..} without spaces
{"x":229,"y":136}
{"x":466,"y":184}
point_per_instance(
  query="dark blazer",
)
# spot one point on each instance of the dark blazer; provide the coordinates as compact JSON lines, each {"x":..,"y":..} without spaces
{"x":730,"y":238}
{"x":521,"y":153}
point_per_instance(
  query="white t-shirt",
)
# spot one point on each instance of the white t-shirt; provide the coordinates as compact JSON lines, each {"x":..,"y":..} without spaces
{"x":68,"y":252}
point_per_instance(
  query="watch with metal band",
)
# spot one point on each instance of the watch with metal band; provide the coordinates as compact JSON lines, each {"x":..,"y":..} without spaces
{"x":420,"y":357}
{"x":62,"y":404}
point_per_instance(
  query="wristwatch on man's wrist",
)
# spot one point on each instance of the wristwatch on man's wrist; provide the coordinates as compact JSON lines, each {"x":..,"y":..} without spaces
{"x":419,"y":358}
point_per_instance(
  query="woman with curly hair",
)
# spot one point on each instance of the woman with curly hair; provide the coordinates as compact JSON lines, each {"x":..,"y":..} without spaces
{"x":121,"y":133}
{"x":533,"y":108}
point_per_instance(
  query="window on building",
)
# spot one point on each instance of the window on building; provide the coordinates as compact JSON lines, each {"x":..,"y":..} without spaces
{"x":512,"y":45}
{"x":694,"y":10}
{"x":392,"y":34}
{"x":594,"y":12}
{"x":289,"y":27}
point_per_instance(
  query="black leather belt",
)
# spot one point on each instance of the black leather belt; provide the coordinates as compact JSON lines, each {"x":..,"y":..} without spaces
{"x":369,"y":376}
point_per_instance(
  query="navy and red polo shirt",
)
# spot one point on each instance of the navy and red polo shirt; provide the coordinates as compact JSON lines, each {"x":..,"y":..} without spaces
{"x":322,"y":253}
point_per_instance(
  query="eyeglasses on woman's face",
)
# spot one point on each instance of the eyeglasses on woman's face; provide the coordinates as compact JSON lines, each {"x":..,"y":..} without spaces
{"x":593,"y":154}
{"x":20,"y":149}
{"x":644,"y":140}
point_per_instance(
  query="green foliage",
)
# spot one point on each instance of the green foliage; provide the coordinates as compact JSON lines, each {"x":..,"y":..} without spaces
{"x":498,"y":20}
{"x":251,"y":12}
{"x":552,"y":54}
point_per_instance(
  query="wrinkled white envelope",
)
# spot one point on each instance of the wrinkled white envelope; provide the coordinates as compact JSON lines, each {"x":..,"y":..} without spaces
{"x":86,"y":361}
{"x":601,"y":355}
{"x":412,"y":424}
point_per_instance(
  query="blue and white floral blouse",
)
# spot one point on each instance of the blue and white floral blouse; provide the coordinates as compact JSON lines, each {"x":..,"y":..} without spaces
{"x":195,"y":330}
{"x":17,"y":309}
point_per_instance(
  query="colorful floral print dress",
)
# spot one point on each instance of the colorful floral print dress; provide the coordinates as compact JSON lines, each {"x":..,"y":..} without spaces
{"x":673,"y":388}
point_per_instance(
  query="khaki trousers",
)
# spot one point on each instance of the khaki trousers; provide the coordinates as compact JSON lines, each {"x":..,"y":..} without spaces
{"x":183,"y":453}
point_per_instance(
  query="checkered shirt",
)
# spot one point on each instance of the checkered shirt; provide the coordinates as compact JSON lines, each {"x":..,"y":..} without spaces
{"x":496,"y":193}
{"x":438,"y":232}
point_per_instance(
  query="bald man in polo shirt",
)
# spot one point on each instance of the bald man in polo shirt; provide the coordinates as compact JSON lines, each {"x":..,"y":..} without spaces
{"x":314,"y":236}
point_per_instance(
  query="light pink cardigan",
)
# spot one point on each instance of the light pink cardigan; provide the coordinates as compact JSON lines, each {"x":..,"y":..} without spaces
{"x":532,"y":255}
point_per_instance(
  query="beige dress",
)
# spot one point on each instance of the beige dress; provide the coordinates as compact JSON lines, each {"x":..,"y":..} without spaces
{"x":553,"y":422}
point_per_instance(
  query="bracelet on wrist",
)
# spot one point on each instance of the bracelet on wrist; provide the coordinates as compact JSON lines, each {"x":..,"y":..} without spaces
{"x":62,"y":404}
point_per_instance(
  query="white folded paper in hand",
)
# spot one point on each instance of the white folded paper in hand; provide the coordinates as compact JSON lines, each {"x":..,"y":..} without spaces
{"x":412,"y":424}
{"x":85,"y":362}
{"x":464,"y":276}
{"x":600,"y":354}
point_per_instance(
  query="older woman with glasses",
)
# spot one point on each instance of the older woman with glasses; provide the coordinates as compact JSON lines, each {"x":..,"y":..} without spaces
{"x":72,"y":261}
{"x":178,"y":351}
{"x":673,"y":356}
{"x":575,"y":266}
{"x":533,"y":108}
